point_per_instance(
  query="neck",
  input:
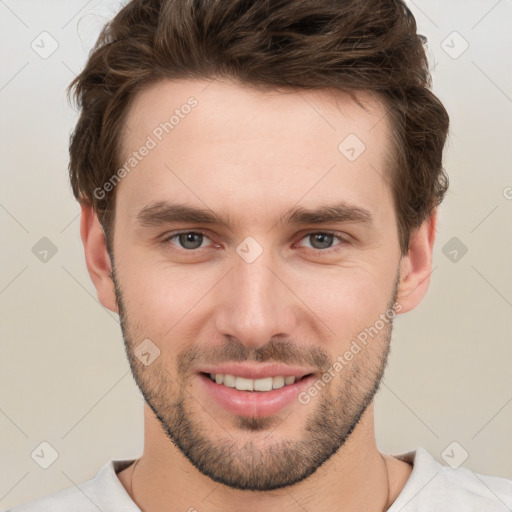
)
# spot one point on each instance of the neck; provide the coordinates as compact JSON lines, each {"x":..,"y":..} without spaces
{"x":357,"y":477}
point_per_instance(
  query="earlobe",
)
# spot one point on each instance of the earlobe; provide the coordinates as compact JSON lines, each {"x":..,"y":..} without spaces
{"x":416,"y":266}
{"x":97,"y":257}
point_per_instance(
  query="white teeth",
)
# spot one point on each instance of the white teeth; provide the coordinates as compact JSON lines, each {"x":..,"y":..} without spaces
{"x":278,"y":382}
{"x":229,"y":381}
{"x":244,"y":384}
{"x":263,"y":384}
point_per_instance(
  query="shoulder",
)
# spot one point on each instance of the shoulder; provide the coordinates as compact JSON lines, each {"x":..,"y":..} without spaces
{"x":60,"y":501}
{"x":103,"y":492}
{"x":434,"y":486}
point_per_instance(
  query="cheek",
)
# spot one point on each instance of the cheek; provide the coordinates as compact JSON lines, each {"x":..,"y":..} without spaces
{"x":347,"y":300}
{"x":161,"y":299}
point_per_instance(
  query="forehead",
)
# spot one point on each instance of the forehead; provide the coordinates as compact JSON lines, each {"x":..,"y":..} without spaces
{"x":240,"y":145}
{"x":227,"y":105}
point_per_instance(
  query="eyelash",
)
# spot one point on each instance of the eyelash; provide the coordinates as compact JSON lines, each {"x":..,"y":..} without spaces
{"x":343,"y":241}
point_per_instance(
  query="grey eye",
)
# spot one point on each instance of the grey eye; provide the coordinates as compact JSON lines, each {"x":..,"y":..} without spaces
{"x":190,"y":240}
{"x":321,"y":240}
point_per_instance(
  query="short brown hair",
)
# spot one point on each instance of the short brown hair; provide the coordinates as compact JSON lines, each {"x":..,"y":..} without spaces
{"x":347,"y":45}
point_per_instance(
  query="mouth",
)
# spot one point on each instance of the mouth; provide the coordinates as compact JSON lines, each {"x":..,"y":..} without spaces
{"x":258,"y":397}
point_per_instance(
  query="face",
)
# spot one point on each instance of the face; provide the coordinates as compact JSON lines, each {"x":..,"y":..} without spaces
{"x":292,"y":257}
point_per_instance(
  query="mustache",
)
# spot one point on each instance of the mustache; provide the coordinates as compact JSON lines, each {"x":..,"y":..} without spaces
{"x":276,"y":350}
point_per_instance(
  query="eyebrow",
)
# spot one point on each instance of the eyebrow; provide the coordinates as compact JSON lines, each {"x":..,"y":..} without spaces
{"x":162,"y":212}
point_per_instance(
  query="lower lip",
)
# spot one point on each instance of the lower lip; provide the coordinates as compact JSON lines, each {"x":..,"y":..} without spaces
{"x":256,"y":404}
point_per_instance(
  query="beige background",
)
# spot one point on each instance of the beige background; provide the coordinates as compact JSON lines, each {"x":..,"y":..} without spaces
{"x":65,"y":379}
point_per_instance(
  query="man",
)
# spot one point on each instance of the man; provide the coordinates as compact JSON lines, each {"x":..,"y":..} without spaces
{"x":259,"y":184}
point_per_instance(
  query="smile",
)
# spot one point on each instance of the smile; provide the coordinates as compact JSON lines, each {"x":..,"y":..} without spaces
{"x":244,"y":384}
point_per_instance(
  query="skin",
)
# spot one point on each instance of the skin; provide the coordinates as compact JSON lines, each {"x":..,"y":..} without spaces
{"x":251,"y":155}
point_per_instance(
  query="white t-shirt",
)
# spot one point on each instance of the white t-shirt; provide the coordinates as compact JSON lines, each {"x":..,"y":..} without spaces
{"x":431,"y":487}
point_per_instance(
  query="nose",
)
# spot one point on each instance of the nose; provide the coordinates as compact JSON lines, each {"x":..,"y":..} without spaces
{"x":256,"y":303}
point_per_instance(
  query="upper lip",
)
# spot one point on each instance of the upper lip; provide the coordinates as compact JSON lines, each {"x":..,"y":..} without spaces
{"x":256,"y":370}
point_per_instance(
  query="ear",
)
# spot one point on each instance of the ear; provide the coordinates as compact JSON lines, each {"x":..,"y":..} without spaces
{"x":416,"y":266}
{"x":97,"y":257}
